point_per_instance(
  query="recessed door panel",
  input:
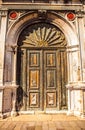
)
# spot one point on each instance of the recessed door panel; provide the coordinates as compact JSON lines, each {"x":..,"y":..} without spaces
{"x":34,"y":59}
{"x":51,"y":78}
{"x":51,"y":100}
{"x":34,"y":100}
{"x":50,"y":59}
{"x":34,"y":76}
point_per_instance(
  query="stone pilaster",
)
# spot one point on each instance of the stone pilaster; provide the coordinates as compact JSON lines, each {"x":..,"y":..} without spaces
{"x":70,"y":112}
{"x":3,"y":26}
{"x":81,"y":33}
{"x":76,"y":99}
{"x":14,"y":59}
{"x":73,"y":64}
{"x":13,"y":112}
{"x":1,"y":101}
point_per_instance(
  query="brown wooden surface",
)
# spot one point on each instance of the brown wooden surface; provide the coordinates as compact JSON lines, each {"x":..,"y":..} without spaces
{"x":43,"y":79}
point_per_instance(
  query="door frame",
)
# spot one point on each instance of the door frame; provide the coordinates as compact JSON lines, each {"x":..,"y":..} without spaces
{"x":24,"y":80}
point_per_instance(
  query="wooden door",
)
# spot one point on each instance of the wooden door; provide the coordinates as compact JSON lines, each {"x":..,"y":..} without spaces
{"x":50,"y":79}
{"x":44,"y":79}
{"x":34,"y":80}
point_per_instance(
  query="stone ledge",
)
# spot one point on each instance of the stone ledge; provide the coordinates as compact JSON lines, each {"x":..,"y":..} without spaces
{"x":8,"y":87}
{"x":76,"y":86}
{"x":42,"y":6}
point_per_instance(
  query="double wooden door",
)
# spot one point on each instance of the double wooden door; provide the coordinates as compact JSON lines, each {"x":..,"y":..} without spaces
{"x":43,"y":79}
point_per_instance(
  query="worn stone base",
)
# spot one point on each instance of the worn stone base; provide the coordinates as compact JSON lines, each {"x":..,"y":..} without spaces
{"x":83,"y":116}
{"x":7,"y":100}
{"x":5,"y":115}
{"x":69,"y":113}
{"x":14,"y":113}
{"x":76,"y":98}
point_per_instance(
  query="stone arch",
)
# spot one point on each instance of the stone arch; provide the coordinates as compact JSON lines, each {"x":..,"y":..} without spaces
{"x":28,"y":18}
{"x":16,"y":28}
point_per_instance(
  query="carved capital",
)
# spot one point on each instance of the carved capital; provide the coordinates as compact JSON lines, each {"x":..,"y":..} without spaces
{"x":3,"y":13}
{"x":11,"y":48}
{"x":80,"y":13}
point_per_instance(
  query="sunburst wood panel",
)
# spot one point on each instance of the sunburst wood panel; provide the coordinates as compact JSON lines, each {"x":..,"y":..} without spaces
{"x":44,"y":35}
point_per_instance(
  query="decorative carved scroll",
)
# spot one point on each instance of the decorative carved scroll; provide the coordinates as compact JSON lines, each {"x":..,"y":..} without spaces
{"x":51,"y":99}
{"x":34,"y":100}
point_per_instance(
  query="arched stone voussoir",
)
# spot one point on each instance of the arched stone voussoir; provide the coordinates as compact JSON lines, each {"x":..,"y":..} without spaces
{"x":16,"y":28}
{"x":51,"y":17}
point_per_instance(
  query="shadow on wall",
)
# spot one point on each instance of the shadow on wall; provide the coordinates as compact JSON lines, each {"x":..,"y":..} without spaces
{"x":20,"y":95}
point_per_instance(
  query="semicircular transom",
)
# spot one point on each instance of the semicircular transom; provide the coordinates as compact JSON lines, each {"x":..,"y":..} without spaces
{"x":42,"y":35}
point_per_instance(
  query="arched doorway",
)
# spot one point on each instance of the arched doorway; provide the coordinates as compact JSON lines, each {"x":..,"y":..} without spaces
{"x":42,"y":68}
